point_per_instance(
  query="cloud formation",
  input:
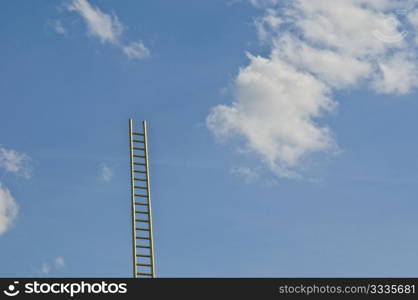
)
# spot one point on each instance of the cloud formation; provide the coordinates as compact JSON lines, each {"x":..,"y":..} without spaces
{"x":57,"y":26}
{"x":136,"y":50}
{"x":317,"y":47}
{"x":261,"y":3}
{"x":8,"y":209}
{"x":15,"y":162}
{"x":45,"y":268}
{"x":106,"y":173}
{"x":57,"y":264}
{"x":107,"y":28}
{"x":247,"y":174}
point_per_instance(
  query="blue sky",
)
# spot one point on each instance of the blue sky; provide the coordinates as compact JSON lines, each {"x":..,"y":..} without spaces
{"x":262,"y":163}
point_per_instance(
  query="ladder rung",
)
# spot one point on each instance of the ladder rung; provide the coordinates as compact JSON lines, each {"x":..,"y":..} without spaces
{"x":142,"y":172}
{"x":140,"y":187}
{"x":139,"y":156}
{"x":144,"y":274}
{"x":144,"y":265}
{"x":143,"y":255}
{"x":143,"y":247}
{"x":139,"y":164}
{"x":137,"y":133}
{"x":138,"y":148}
{"x":140,"y":179}
{"x":142,"y":229}
{"x":140,"y":195}
{"x":138,"y":141}
{"x":141,"y":220}
{"x":142,"y":238}
{"x":141,"y":212}
{"x":144,"y":204}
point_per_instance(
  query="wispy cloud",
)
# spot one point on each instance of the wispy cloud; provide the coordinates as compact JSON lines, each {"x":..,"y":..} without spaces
{"x":8,"y":209}
{"x":45,"y":269}
{"x":106,"y":173}
{"x":15,"y":162}
{"x":247,"y":174}
{"x":57,"y":26}
{"x":317,"y":47}
{"x":48,"y":267}
{"x":107,"y":28}
{"x":270,"y":21}
{"x":136,"y":50}
{"x":262,"y":3}
{"x":59,"y":262}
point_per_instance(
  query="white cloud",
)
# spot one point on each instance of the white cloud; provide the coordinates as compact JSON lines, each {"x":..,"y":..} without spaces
{"x":413,"y":18}
{"x":247,"y":174}
{"x":268,"y":23}
{"x":107,"y":28}
{"x":59,"y":262}
{"x":343,"y":25}
{"x":317,"y":46}
{"x":397,"y":75}
{"x":46,"y":269}
{"x":336,"y":69}
{"x":101,"y":25}
{"x":106,"y":173}
{"x":262,"y":3}
{"x":8,"y":209}
{"x":55,"y":265}
{"x":275,"y":112}
{"x":136,"y":50}
{"x":15,"y":162}
{"x":57,"y":26}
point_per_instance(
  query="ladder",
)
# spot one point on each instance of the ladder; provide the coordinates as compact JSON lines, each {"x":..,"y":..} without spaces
{"x":142,"y":241}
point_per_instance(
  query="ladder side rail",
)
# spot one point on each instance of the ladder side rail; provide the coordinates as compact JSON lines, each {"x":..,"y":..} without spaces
{"x":133,"y":214}
{"x":144,"y":128}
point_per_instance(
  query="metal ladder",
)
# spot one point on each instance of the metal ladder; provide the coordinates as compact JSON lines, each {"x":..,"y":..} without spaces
{"x":142,"y":239}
